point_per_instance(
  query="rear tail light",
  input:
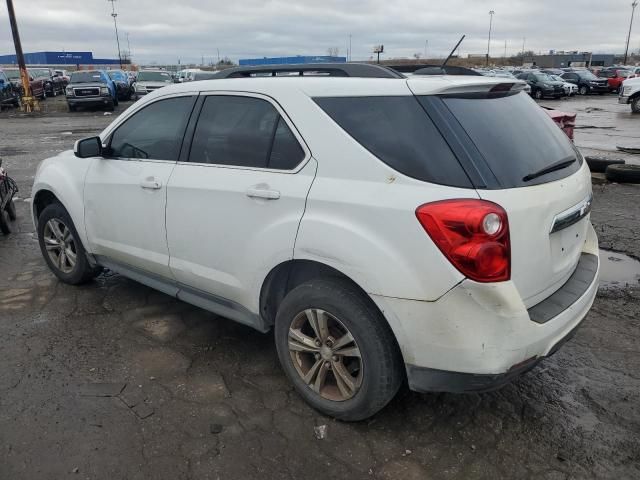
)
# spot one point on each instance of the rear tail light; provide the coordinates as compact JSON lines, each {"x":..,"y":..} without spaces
{"x":472,"y":234}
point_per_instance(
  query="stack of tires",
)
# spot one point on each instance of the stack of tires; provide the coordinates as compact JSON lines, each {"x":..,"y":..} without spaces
{"x":615,"y":170}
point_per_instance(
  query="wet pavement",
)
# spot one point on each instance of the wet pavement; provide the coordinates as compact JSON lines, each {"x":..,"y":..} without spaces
{"x":113,"y":380}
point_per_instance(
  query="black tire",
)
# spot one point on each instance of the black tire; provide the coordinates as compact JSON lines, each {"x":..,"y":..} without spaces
{"x":72,"y":108}
{"x":82,"y":271}
{"x":382,"y":366}
{"x":600,"y":164}
{"x":538,"y":95}
{"x":583,"y":90}
{"x":623,"y":173}
{"x":110,"y":107}
{"x":635,"y":105}
{"x":115,"y":101}
{"x":5,"y":228}
{"x":11,"y":210}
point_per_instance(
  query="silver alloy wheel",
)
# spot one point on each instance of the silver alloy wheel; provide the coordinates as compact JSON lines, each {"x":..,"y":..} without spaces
{"x":325,"y":355}
{"x":60,"y":245}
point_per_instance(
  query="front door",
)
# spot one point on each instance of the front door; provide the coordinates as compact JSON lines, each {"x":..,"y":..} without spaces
{"x":125,"y":192}
{"x":233,"y":210}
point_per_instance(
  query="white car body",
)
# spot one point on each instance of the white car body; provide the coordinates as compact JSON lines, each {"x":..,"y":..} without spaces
{"x":570,"y":89}
{"x":212,"y":234}
{"x":630,"y":93}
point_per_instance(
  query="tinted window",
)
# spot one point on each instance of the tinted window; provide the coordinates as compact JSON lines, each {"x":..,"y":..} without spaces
{"x":515,"y":136}
{"x":86,"y":77}
{"x":155,"y":132}
{"x":234,"y":131}
{"x":398,"y":131}
{"x":286,"y":152}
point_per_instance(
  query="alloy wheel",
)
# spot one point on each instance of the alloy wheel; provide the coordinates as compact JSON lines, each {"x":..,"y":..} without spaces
{"x":60,"y":245}
{"x":325,"y":355}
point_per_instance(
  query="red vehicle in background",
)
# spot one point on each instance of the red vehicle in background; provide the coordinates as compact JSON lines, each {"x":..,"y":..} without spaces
{"x":36,"y":81}
{"x":615,"y":76}
{"x":566,"y":121}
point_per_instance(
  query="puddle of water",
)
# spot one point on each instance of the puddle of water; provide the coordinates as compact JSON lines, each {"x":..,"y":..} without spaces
{"x":618,"y":270}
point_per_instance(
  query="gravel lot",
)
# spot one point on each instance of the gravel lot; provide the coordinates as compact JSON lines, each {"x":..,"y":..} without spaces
{"x":113,"y":380}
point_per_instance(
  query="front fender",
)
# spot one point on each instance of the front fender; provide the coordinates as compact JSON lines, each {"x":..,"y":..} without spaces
{"x":64,"y":176}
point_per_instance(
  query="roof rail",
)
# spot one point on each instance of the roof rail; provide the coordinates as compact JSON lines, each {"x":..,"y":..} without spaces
{"x":362,"y":70}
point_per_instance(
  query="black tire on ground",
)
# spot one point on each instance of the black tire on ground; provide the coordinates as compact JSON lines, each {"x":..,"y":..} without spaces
{"x":635,"y":105}
{"x":600,"y":164}
{"x":623,"y":173}
{"x":382,"y":365}
{"x":83,"y":271}
{"x":11,"y":210}
{"x":4,"y":223}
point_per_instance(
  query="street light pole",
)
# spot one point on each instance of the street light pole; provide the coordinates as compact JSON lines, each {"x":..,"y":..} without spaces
{"x":115,"y":24}
{"x":29,"y":103}
{"x":426,"y":47}
{"x":633,"y":9}
{"x":491,"y":13}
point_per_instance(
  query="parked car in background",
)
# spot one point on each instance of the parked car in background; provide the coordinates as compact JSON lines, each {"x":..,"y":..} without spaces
{"x":36,"y":83}
{"x":9,"y":94}
{"x":634,"y":71}
{"x":630,"y":93}
{"x":566,"y":121}
{"x":586,"y":82}
{"x":150,"y":80}
{"x":186,"y":75}
{"x":552,"y":71}
{"x":542,"y":85}
{"x":124,"y":87}
{"x":64,"y":75}
{"x":615,"y":76}
{"x":570,"y":89}
{"x":453,"y":251}
{"x":53,"y":84}
{"x":91,"y":88}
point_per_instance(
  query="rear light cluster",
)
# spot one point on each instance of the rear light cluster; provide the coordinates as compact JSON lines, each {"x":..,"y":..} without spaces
{"x":472,"y":234}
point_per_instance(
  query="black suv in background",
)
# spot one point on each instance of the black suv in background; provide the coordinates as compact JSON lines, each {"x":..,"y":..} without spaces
{"x":91,"y":88}
{"x":586,"y":81}
{"x":9,"y":95}
{"x":542,"y":85}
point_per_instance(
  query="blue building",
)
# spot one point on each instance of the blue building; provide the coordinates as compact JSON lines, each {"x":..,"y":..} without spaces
{"x":59,"y":58}
{"x":291,"y":60}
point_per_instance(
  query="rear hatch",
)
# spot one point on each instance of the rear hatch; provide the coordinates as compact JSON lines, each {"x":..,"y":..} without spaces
{"x":518,"y":158}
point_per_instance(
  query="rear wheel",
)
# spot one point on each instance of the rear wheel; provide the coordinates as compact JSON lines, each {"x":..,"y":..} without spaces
{"x":337,"y":349}
{"x":61,"y":247}
{"x":11,"y":210}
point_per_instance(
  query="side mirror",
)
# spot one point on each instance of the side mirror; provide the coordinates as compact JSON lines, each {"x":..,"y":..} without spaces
{"x":88,"y":147}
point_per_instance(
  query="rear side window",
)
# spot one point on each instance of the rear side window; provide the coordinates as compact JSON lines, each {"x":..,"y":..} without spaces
{"x":244,"y":132}
{"x":398,"y":131}
{"x":515,"y":137}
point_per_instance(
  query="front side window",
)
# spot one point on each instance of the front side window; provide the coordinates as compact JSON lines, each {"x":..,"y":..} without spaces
{"x":244,"y":132}
{"x":155,"y":132}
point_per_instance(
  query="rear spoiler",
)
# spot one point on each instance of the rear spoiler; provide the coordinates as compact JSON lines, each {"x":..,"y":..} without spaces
{"x":471,"y":89}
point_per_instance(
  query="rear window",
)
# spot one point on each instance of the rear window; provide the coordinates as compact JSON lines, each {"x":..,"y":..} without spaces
{"x":515,"y":137}
{"x":399,"y":132}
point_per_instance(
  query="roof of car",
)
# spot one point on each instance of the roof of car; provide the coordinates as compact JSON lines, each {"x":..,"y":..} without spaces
{"x":341,"y":86}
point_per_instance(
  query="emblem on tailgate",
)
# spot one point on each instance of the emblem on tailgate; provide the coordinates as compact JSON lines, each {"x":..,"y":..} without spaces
{"x":572,"y":215}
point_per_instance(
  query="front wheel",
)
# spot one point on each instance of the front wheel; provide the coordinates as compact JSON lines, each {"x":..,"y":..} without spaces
{"x":635,"y":105}
{"x":11,"y":210}
{"x":337,"y":349}
{"x":584,"y":90}
{"x":61,"y":247}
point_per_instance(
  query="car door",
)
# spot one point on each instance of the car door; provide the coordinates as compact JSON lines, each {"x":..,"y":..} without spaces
{"x":234,"y":208}
{"x":571,"y":78}
{"x":125,"y":192}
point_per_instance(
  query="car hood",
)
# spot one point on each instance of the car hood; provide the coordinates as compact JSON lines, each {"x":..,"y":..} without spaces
{"x":153,"y":84}
{"x":632,"y":82}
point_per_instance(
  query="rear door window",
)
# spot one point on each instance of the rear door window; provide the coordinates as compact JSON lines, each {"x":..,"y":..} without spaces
{"x":398,"y":131}
{"x":515,"y":137}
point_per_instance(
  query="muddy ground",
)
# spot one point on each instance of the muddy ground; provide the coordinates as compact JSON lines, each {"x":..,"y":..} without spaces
{"x":113,"y":380}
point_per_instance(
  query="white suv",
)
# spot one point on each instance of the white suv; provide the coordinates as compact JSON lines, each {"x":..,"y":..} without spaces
{"x":434,"y":230}
{"x":630,"y":93}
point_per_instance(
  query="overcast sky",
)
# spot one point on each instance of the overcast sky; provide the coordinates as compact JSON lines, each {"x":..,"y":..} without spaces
{"x":165,"y":30}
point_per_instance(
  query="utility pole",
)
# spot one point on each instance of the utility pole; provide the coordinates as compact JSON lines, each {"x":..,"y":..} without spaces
{"x":491,"y":13}
{"x":633,"y":9}
{"x":29,"y":103}
{"x":350,"y":53}
{"x":129,"y":47}
{"x":218,"y":55}
{"x":426,"y":47}
{"x":115,"y":24}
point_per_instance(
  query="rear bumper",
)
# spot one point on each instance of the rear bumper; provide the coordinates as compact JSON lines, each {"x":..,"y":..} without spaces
{"x":480,"y":336}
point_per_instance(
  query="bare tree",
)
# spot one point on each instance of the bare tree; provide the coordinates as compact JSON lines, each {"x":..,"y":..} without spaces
{"x":333,"y":51}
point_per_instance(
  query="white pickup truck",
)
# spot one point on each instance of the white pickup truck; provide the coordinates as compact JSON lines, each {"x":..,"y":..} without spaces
{"x":630,"y":93}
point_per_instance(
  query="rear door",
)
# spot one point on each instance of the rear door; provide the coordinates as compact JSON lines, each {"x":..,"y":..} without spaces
{"x":540,"y":179}
{"x":234,"y":208}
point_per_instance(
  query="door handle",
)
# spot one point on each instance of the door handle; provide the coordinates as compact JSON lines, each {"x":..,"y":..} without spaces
{"x":151,"y":183}
{"x":263,"y":193}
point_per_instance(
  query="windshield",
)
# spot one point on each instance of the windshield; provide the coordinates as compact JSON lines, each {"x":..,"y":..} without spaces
{"x":13,"y":74}
{"x":154,"y":77}
{"x":543,"y":77}
{"x":587,"y":75}
{"x":556,"y":78}
{"x":86,"y":77}
{"x":515,"y":137}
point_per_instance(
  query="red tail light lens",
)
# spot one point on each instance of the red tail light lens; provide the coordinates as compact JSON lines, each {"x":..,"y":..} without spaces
{"x":472,"y":234}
